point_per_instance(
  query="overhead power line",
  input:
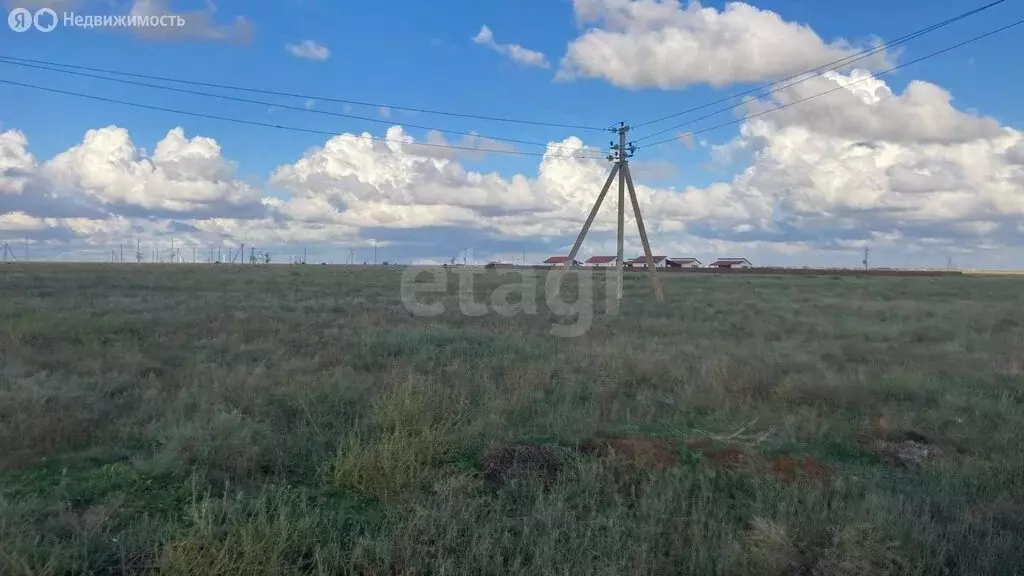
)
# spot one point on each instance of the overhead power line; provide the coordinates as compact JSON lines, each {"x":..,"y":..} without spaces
{"x":52,"y":68}
{"x":309,"y":96}
{"x":269,"y":125}
{"x":840,"y":87}
{"x":814,"y":72}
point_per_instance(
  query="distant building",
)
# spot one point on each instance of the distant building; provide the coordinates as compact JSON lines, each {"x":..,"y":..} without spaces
{"x":641,"y":261}
{"x":683,"y":263}
{"x":600,"y":260}
{"x":731,"y":263}
{"x":560,"y":261}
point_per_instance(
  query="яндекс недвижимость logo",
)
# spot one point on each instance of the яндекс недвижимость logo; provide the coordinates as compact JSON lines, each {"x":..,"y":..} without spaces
{"x":21,"y":19}
{"x":46,"y":19}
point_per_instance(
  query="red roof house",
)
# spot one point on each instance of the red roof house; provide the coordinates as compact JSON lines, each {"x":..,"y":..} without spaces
{"x":731,"y":263}
{"x":600,"y":260}
{"x":642,"y":261}
{"x":560,"y":261}
{"x":683,"y":263}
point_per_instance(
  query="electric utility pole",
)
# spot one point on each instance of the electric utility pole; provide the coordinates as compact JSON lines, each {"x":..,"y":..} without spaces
{"x":619,"y":263}
{"x":621,"y":153}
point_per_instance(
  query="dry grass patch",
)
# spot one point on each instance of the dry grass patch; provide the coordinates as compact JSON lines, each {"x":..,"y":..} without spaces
{"x":325,"y":429}
{"x":409,"y":434}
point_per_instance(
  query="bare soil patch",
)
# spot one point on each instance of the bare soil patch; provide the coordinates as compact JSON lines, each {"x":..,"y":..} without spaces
{"x":728,"y":456}
{"x":521,"y":461}
{"x":647,"y":453}
{"x":907,"y":449}
{"x":791,"y":469}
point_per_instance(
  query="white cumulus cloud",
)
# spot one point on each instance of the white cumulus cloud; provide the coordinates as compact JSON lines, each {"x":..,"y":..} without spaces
{"x":666,"y":44}
{"x":198,"y":24}
{"x":866,"y":109}
{"x":904,"y":172}
{"x":309,"y":50}
{"x":515,"y":52}
{"x":872,"y":162}
{"x":16,"y":164}
{"x":181,"y":176}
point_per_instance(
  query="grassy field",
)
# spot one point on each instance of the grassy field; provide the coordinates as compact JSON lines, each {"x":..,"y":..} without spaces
{"x":291,"y":420}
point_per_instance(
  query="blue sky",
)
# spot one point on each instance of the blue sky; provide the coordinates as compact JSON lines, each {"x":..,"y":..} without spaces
{"x":421,"y":54}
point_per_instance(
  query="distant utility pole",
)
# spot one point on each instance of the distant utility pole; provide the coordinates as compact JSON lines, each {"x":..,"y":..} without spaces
{"x":867,"y":251}
{"x":138,"y":251}
{"x":620,"y":156}
{"x":7,"y":250}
